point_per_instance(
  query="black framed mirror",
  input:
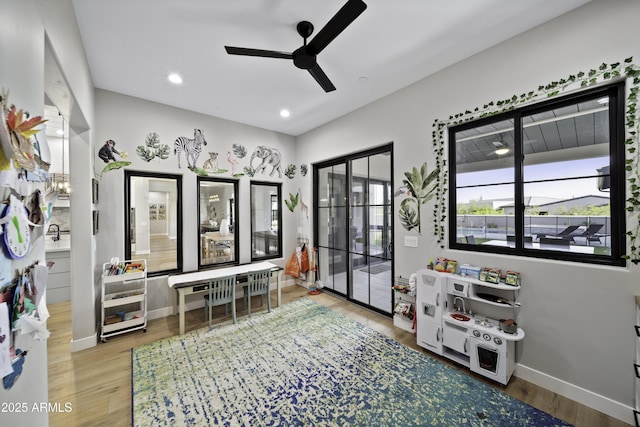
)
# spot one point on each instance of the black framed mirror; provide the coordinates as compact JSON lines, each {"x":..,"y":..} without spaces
{"x":153,"y":218}
{"x":217,"y":226}
{"x":266,"y":220}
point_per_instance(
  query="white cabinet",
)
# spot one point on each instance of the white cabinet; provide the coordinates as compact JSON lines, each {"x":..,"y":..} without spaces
{"x":455,"y":337}
{"x":59,"y":281}
{"x":430,"y":287}
{"x":124,"y":297}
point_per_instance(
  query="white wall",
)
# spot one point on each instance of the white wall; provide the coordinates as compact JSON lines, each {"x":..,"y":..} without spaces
{"x":578,"y":318}
{"x":71,"y":89}
{"x":22,"y":72}
{"x":127,"y":121}
{"x":24,"y":27}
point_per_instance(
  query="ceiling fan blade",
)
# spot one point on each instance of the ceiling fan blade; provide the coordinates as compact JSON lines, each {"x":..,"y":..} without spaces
{"x":341,"y":20}
{"x":321,"y":78}
{"x":257,"y":52}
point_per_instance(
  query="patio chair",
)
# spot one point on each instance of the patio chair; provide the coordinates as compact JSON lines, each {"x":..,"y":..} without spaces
{"x":590,"y":234}
{"x":567,"y":232}
{"x":257,"y":284}
{"x":471,"y":240}
{"x":559,"y":243}
{"x":221,"y":291}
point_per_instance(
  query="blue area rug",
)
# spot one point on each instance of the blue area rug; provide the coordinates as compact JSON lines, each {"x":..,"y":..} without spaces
{"x":304,"y":364}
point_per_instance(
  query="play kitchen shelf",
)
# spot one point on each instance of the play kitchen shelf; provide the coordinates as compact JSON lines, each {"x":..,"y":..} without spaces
{"x":404,"y":305}
{"x":489,"y":294}
{"x":124,"y":297}
{"x":469,"y":321}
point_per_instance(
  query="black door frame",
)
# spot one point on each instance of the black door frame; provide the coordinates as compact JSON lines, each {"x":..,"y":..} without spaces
{"x":387,"y":148}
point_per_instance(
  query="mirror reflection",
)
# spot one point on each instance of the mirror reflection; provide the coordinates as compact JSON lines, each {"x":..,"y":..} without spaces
{"x":152,"y":232}
{"x":266,"y":217}
{"x":217,"y":226}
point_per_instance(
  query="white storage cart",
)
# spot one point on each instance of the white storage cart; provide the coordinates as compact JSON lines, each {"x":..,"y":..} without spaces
{"x":124,"y":297}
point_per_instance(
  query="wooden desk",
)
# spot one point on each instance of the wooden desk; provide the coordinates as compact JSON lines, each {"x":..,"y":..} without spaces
{"x":212,"y":238}
{"x":198,"y":282}
{"x":215,"y":236}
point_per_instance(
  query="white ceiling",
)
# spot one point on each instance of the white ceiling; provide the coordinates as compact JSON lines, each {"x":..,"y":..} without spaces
{"x":132,"y":46}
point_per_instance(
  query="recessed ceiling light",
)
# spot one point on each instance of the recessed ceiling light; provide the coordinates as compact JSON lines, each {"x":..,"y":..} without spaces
{"x":175,"y":78}
{"x":363,"y":79}
{"x":60,"y":132}
{"x":285,"y":113}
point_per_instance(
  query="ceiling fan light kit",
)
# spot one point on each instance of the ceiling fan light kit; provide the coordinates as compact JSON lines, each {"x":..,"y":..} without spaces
{"x":501,"y":148}
{"x":305,"y":57}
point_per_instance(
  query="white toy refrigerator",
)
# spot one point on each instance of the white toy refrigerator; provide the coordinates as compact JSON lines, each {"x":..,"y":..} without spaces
{"x":430,"y":297}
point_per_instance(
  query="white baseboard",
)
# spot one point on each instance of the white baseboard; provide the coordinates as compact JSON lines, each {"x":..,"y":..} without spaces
{"x":583,"y":396}
{"x":159,"y":313}
{"x":84,"y":343}
{"x":292,"y":281}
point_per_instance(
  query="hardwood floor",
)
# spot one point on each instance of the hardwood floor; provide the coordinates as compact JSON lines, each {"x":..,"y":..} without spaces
{"x":162,"y":255}
{"x":97,"y":382}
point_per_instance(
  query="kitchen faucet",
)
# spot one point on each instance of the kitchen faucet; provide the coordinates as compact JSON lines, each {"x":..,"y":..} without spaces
{"x":462,"y":301}
{"x":56,"y":236}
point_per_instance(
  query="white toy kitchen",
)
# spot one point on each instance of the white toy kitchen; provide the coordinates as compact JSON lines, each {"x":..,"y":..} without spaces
{"x":469,"y":321}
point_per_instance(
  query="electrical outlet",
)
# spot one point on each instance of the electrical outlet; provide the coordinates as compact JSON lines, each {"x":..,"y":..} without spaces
{"x":411,"y":241}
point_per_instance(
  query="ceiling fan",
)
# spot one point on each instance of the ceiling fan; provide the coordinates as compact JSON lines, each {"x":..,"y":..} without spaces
{"x":500,"y":148}
{"x":305,"y":56}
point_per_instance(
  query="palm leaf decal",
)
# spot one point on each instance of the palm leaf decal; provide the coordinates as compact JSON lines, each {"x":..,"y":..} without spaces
{"x":115,"y":165}
{"x":292,"y":202}
{"x":408,"y":216}
{"x":420,"y":188}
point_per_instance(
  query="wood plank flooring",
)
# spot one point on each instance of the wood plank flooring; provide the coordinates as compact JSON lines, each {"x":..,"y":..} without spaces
{"x":97,"y":381}
{"x":162,"y":255}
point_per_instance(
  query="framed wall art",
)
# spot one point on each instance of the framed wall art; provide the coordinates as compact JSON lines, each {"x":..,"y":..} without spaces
{"x":96,"y":226}
{"x":94,"y":191}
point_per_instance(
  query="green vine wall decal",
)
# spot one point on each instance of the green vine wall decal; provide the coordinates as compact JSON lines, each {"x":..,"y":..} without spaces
{"x":605,"y":72}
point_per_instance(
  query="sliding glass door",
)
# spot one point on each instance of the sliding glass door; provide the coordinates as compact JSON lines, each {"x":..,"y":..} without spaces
{"x":353,"y":227}
{"x":331,"y":226}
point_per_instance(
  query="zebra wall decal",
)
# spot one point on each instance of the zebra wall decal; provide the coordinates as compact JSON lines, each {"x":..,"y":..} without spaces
{"x":191,"y":148}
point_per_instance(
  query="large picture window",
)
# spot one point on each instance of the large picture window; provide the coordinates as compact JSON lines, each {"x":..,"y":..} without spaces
{"x":153,"y":220}
{"x":546,"y":180}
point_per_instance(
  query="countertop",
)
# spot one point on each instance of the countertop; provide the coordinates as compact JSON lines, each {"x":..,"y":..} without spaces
{"x":492,"y":328}
{"x":64,"y":244}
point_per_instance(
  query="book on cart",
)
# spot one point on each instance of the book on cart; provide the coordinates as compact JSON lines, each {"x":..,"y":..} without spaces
{"x":124,"y":297}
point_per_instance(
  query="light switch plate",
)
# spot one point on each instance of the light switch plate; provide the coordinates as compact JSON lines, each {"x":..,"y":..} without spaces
{"x":411,"y":241}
